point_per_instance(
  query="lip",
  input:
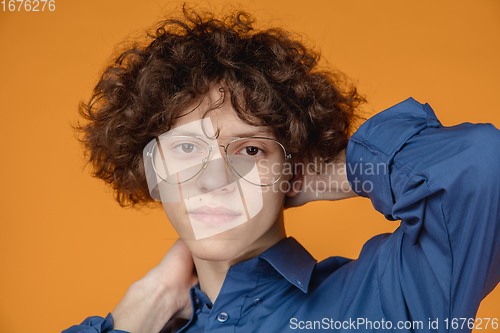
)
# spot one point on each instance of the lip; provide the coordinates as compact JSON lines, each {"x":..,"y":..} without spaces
{"x":214,"y":215}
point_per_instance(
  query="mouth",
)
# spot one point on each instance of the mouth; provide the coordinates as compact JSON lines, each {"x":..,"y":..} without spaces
{"x":213,"y":215}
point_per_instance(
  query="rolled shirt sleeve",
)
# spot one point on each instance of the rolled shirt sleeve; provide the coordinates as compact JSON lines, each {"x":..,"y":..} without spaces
{"x":443,"y":183}
{"x":95,"y":324}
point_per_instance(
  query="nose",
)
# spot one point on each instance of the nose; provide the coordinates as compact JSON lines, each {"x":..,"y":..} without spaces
{"x":215,"y":175}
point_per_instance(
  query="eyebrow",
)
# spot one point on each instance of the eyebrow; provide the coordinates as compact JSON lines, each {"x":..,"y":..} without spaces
{"x":174,"y":132}
{"x":248,"y":134}
{"x":256,"y":133}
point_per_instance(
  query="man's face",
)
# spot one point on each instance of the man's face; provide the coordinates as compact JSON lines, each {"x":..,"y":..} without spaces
{"x":219,"y":207}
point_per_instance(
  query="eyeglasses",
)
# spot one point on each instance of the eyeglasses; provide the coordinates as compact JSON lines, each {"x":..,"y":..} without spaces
{"x":178,"y":159}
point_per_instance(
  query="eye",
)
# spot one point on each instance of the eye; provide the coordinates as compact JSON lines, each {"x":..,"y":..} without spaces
{"x":251,"y":151}
{"x":187,"y":148}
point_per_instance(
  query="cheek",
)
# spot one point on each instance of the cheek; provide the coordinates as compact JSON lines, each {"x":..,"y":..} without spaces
{"x":273,"y":197}
{"x":176,"y":213}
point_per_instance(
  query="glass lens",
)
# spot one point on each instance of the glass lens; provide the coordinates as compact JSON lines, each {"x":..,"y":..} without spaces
{"x":177,"y":159}
{"x":265,"y":155}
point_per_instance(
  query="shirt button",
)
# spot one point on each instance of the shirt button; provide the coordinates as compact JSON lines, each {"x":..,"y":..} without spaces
{"x":222,"y":317}
{"x":257,"y":301}
{"x":197,"y":301}
{"x":198,"y":311}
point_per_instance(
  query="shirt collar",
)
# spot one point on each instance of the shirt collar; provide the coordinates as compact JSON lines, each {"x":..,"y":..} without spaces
{"x":292,"y":261}
{"x":286,"y":258}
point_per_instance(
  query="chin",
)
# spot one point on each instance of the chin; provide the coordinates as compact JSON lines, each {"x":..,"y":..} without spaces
{"x":217,"y":248}
{"x":237,"y":244}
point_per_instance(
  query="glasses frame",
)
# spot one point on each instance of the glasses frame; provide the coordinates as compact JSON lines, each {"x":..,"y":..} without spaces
{"x":151,"y":154}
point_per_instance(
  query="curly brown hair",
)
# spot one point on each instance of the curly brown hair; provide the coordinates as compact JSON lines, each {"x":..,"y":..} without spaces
{"x":272,"y":80}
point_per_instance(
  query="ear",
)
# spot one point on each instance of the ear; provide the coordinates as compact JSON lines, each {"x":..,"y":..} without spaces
{"x":296,"y":180}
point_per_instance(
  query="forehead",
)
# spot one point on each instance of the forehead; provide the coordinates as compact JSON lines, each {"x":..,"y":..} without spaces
{"x":211,"y":117}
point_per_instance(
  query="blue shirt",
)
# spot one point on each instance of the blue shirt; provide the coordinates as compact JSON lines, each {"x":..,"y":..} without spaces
{"x":443,"y":183}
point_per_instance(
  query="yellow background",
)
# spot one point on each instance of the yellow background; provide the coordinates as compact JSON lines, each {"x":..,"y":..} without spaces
{"x":68,"y":251}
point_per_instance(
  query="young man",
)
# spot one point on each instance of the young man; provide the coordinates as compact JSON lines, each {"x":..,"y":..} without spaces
{"x":219,"y":122}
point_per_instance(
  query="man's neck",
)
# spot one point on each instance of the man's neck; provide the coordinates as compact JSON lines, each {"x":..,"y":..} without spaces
{"x":211,"y":274}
